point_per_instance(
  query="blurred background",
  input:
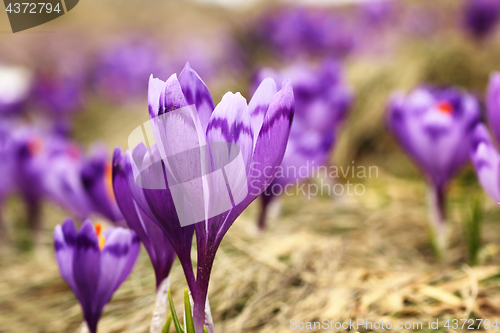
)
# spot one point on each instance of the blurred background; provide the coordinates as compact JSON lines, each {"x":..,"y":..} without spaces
{"x":76,"y":87}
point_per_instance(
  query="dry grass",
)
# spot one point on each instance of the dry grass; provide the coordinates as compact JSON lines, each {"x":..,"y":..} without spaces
{"x":363,"y":257}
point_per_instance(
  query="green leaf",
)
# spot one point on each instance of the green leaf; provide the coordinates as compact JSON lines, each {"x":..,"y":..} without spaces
{"x":166,"y":328}
{"x":471,"y":228}
{"x":177,"y":324}
{"x":205,"y":330}
{"x":187,"y":313}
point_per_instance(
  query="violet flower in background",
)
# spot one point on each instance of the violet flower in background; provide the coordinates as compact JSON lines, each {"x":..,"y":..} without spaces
{"x":62,"y":180}
{"x":94,"y":263}
{"x":294,"y":32}
{"x":377,"y":12}
{"x":59,"y":93}
{"x":15,"y":89}
{"x":97,"y":180}
{"x":122,"y":69}
{"x":481,"y":16}
{"x":433,"y":125}
{"x":322,"y":99}
{"x":486,"y":161}
{"x":260,"y":130}
{"x":31,"y":163}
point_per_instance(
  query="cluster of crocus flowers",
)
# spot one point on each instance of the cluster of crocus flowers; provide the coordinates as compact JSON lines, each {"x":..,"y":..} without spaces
{"x":434,"y":127}
{"x":182,"y":112}
{"x":322,"y":100}
{"x":484,"y":153}
{"x":39,"y":165}
{"x":94,"y":263}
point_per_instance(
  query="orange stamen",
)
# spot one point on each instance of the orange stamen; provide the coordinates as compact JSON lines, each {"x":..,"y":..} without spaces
{"x":108,"y":181}
{"x":98,"y":229}
{"x":445,"y":107}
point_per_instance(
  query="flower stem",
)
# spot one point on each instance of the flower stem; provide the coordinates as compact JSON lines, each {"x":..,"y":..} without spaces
{"x":160,"y":312}
{"x":438,"y":219}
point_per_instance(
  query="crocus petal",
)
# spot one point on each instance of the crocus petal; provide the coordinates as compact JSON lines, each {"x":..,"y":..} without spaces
{"x":272,"y":140}
{"x":155,"y":88}
{"x":196,"y":92}
{"x":486,"y":161}
{"x":259,"y":104}
{"x":64,"y":244}
{"x":230,"y":122}
{"x":118,"y":256}
{"x":172,"y":97}
{"x":86,"y":271}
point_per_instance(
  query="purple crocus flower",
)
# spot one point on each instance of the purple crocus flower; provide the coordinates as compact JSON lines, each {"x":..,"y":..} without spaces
{"x":97,"y":180}
{"x":322,"y":100}
{"x":486,"y":161}
{"x":15,"y":89}
{"x":481,"y":16}
{"x":30,"y":163}
{"x":434,"y":125}
{"x":62,"y":179}
{"x":155,"y":241}
{"x":260,"y":130}
{"x":94,"y":263}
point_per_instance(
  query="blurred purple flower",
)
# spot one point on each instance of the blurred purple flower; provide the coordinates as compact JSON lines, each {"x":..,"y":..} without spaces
{"x":481,"y":16}
{"x":261,"y":132}
{"x":97,"y":180}
{"x":322,"y":99}
{"x":121,"y":70}
{"x":94,"y":263}
{"x":30,"y":163}
{"x":297,"y":31}
{"x":15,"y":88}
{"x":377,"y":12}
{"x":434,"y":125}
{"x":62,"y":179}
{"x":486,"y":161}
{"x":60,"y":95}
{"x":155,"y":241}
